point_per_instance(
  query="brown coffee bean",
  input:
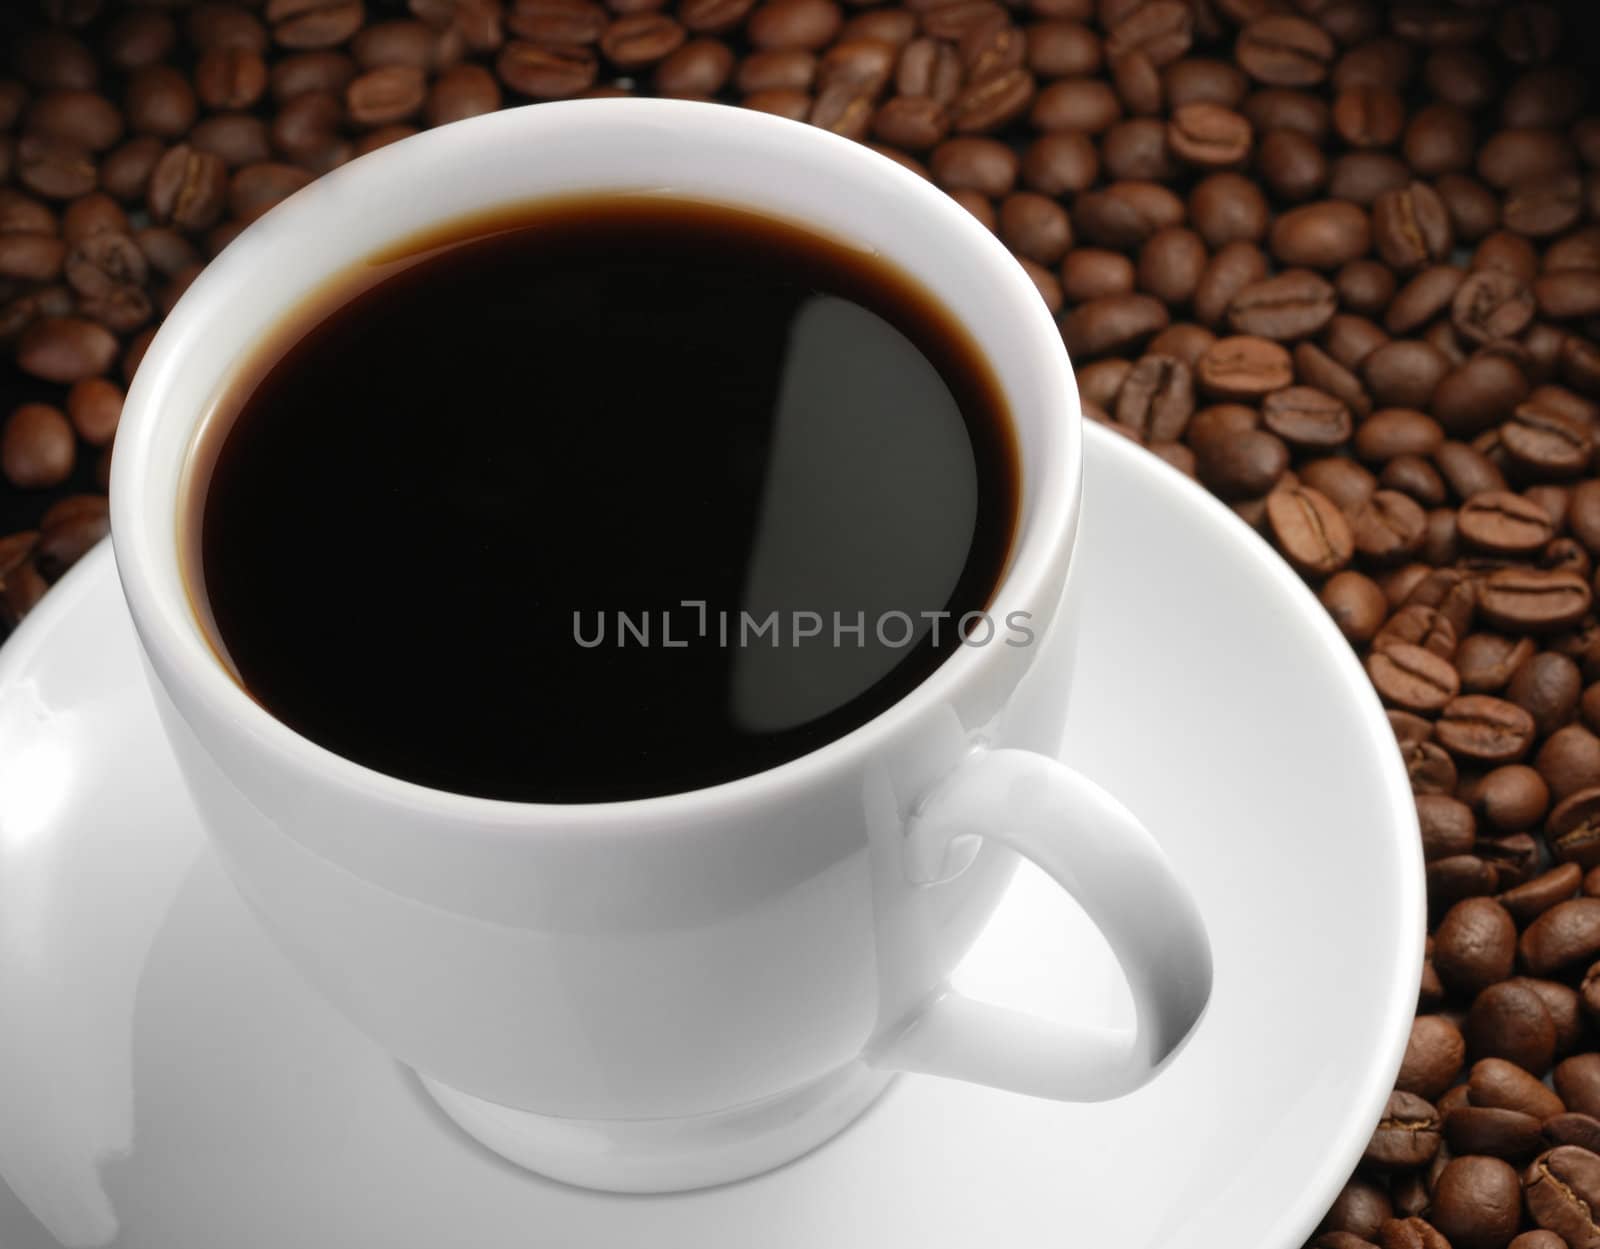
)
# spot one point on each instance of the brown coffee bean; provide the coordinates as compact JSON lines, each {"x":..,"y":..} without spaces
{"x":69,"y":529}
{"x":1484,"y":1130}
{"x":311,"y":73}
{"x":1412,"y":1232}
{"x":1358,"y":1211}
{"x":1306,"y":418}
{"x":37,"y":449}
{"x":1321,"y":236}
{"x":1475,"y":945}
{"x":1113,"y":323}
{"x":1228,"y":208}
{"x":1500,"y":521}
{"x":1156,"y":398}
{"x":809,"y":24}
{"x":464,"y":91}
{"x":1171,"y":264}
{"x":1566,"y":1011}
{"x":1293,"y":304}
{"x":1529,"y":901}
{"x":1478,"y":394}
{"x":1417,"y":625}
{"x":1577,"y":1080}
{"x":1474,"y":209}
{"x":977,"y":164}
{"x":1421,"y":299}
{"x":1477,"y":1203}
{"x":1543,"y":207}
{"x":1285,"y":51}
{"x":1532,"y":599}
{"x":1404,"y":373}
{"x":1439,"y":139}
{"x":1062,"y":49}
{"x":1573,"y":832}
{"x":1408,"y":1134}
{"x":1035,"y":226}
{"x":1389,"y":526}
{"x":1244,"y":465}
{"x":1060,"y":163}
{"x":1364,"y":177}
{"x":1084,"y":105}
{"x":383,"y":96}
{"x":28,"y":257}
{"x":1209,"y":135}
{"x":65,"y":349}
{"x":1357,"y":606}
{"x":1291,"y":164}
{"x":1509,"y":1020}
{"x":1513,"y":798}
{"x":1565,"y":935}
{"x":1125,"y":215}
{"x":1562,"y":1191}
{"x":1244,"y":367}
{"x":1485,"y":729}
{"x":1491,"y":304}
{"x":1546,"y":441}
{"x":1351,"y":339}
{"x":1569,"y":761}
{"x":78,"y":118}
{"x":1569,"y":1128}
{"x":1431,"y":771}
{"x":1497,"y":1083}
{"x":94,"y":406}
{"x":188,"y":188}
{"x":140,"y":37}
{"x":1237,"y":266}
{"x":306,"y":24}
{"x":714,"y":17}
{"x":1392,"y":432}
{"x":1411,"y":227}
{"x":1369,"y":115}
{"x":1411,"y":678}
{"x":1487,"y":661}
{"x":1434,"y":1057}
{"x":1548,"y":687}
{"x":1448,"y":825}
{"x":1310,"y":530}
{"x":53,"y":169}
{"x":160,"y":102}
{"x":642,"y":39}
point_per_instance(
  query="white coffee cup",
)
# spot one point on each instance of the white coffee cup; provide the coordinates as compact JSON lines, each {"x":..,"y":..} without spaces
{"x":663,"y":994}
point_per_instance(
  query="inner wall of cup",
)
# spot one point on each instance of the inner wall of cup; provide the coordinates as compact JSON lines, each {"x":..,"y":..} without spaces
{"x":358,"y":215}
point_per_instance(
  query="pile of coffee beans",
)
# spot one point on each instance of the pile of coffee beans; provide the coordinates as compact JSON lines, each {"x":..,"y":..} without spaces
{"x":1337,"y":259}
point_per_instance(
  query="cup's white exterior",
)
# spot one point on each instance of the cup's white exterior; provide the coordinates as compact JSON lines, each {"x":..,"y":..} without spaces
{"x":659,"y":959}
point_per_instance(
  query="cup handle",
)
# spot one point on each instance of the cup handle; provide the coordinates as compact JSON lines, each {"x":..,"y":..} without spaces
{"x":1099,"y":852}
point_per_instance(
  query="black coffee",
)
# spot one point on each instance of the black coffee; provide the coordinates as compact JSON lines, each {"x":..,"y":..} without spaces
{"x":609,"y":498}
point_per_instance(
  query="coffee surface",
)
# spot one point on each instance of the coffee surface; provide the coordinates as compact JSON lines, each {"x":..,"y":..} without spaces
{"x":609,"y":498}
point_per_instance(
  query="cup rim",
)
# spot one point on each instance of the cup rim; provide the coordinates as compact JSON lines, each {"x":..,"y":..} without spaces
{"x":172,"y":634}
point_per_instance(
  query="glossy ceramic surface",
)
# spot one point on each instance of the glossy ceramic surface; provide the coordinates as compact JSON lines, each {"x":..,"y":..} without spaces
{"x":715,"y":956}
{"x":168,"y":1082}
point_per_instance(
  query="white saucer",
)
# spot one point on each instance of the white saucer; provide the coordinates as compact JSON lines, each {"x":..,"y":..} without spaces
{"x":167,"y":1083}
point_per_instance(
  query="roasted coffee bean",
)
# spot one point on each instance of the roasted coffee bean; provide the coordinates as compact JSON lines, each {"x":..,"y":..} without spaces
{"x":1532,"y":599}
{"x":1412,"y":1232}
{"x":1408,"y":1134}
{"x":1431,"y":771}
{"x":1156,"y":398}
{"x":1418,"y":625}
{"x":1569,"y":761}
{"x":1171,"y":264}
{"x":1577,"y":1080}
{"x":1562,"y":1190}
{"x":1227,"y":208}
{"x":1485,"y":1130}
{"x":1477,"y":1203}
{"x":1479,"y":393}
{"x":1573,"y":832}
{"x":1410,"y":227}
{"x":1434,"y":1057}
{"x":1513,"y":798}
{"x":94,"y":406}
{"x":1114,"y":323}
{"x":1236,"y":266}
{"x":1389,"y":526}
{"x":1422,"y":298}
{"x":1284,"y":51}
{"x":1291,"y":164}
{"x":1484,"y":729}
{"x":1294,"y":304}
{"x":1500,"y":521}
{"x":1411,"y":678}
{"x":1243,"y":465}
{"x":1475,"y":945}
{"x":1544,"y":440}
{"x":1548,"y":687}
{"x":1487,"y":661}
{"x":1495,"y":1082}
{"x":188,"y":188}
{"x":1509,"y":1020}
{"x":37,"y":449}
{"x":1209,"y":135}
{"x":1244,"y":367}
{"x":541,"y":72}
{"x":1569,"y":1128}
{"x":1529,"y":901}
{"x":1035,"y":226}
{"x":1358,"y":1211}
{"x":974,"y":164}
{"x":1565,"y":935}
{"x":65,"y":349}
{"x":301,"y":24}
{"x":1392,"y":432}
{"x":1306,"y":418}
{"x":1357,"y":606}
{"x":1310,"y":530}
